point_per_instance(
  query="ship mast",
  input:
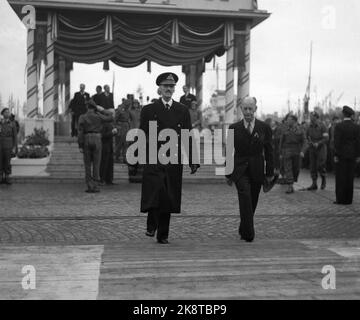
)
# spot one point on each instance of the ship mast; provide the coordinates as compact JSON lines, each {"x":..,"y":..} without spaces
{"x":308,"y":88}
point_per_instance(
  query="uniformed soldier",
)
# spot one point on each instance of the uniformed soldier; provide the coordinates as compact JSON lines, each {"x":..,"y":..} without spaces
{"x":8,"y":145}
{"x":122,"y":123}
{"x":90,"y":129}
{"x":347,"y":154}
{"x":162,"y":184}
{"x":317,"y":137}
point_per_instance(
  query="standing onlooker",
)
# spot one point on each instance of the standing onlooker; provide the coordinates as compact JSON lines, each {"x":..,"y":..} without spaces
{"x":347,"y":154}
{"x":195,"y":115}
{"x":335,"y":120}
{"x":187,"y":98}
{"x":98,"y":96}
{"x":292,"y":142}
{"x":317,"y":137}
{"x":122,"y":123}
{"x":107,"y":153}
{"x":8,"y":145}
{"x":90,"y":129}
{"x":77,"y":107}
{"x":135,"y":112}
{"x":107,"y":98}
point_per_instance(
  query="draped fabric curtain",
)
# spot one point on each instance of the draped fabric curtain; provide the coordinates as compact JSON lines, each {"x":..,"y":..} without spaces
{"x":129,"y":40}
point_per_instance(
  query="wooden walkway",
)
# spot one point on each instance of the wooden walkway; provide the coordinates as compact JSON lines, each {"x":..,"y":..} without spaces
{"x":217,"y":269}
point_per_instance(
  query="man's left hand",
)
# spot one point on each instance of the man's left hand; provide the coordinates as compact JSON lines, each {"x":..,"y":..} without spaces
{"x":269,"y":179}
{"x":358,"y":160}
{"x":194,"y":168}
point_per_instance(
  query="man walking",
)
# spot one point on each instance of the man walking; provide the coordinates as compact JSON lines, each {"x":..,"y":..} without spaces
{"x":317,"y":137}
{"x":252,"y":141}
{"x":77,"y":107}
{"x":90,"y":129}
{"x":8,"y":145}
{"x":292,"y":143}
{"x":347,"y":154}
{"x":162,"y":183}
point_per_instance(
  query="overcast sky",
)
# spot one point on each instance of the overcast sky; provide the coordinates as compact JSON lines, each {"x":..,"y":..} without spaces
{"x":279,"y":56}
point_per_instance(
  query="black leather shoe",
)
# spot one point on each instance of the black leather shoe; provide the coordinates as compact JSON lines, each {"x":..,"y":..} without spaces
{"x":150,"y":233}
{"x":163,"y":241}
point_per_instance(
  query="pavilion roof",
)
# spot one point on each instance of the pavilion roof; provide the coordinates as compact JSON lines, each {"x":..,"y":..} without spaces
{"x":236,"y":9}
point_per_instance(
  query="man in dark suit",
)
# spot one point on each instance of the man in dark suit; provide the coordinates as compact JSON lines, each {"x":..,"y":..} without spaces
{"x":162,"y":183}
{"x":78,"y":107}
{"x":347,"y":154}
{"x":98,"y":96}
{"x":252,"y":141}
{"x":187,"y":98}
{"x":107,"y":99}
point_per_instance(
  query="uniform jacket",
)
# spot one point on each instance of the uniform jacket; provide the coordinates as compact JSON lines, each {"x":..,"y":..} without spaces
{"x":161,"y":184}
{"x":91,"y":122}
{"x":347,"y":140}
{"x":251,"y":151}
{"x":317,"y":133}
{"x":8,"y":134}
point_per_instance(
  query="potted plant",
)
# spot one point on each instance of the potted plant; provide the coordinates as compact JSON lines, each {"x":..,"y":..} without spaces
{"x":33,"y":156}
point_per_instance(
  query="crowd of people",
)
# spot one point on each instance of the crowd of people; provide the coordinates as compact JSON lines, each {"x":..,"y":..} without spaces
{"x":305,"y":145}
{"x":90,"y":115}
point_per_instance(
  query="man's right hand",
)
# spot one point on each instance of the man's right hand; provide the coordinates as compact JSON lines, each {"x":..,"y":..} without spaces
{"x":336,"y":159}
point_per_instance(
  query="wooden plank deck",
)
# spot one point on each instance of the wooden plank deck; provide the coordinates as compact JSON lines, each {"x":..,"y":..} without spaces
{"x":265,"y":269}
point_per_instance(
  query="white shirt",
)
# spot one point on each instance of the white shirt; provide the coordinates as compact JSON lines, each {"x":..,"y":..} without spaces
{"x":252,"y":125}
{"x":167,"y":103}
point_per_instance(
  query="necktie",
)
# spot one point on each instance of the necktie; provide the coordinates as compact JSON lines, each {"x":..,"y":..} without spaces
{"x":167,"y":107}
{"x":249,"y":127}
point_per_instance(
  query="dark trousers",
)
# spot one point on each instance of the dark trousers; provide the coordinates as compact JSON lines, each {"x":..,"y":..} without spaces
{"x":121,"y":144}
{"x":344,"y":185}
{"x":248,"y":194}
{"x":92,"y":158}
{"x":160,"y":221}
{"x":74,"y":124}
{"x":292,"y":167}
{"x":107,"y":161}
{"x":5,"y":156}
{"x":317,"y":161}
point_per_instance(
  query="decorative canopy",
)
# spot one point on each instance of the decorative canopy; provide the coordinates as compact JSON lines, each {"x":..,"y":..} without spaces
{"x":125,"y":32}
{"x":130,"y":40}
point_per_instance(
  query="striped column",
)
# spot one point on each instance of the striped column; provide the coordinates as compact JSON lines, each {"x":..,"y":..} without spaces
{"x":49,"y":108}
{"x":244,"y":74}
{"x":32,"y":78}
{"x":199,"y":89}
{"x":56,"y":90}
{"x":229,"y":93}
{"x":67,"y":89}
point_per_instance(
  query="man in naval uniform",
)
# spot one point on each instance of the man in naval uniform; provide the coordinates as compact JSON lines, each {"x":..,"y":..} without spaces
{"x":347,"y":154}
{"x":162,"y":183}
